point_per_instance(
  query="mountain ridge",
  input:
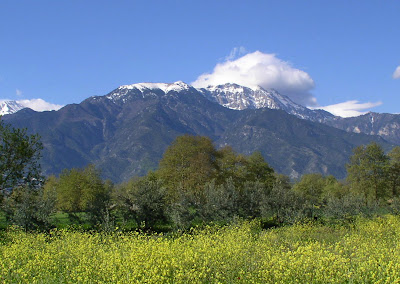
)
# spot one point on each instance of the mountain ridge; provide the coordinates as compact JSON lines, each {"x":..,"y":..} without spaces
{"x":126,"y":131}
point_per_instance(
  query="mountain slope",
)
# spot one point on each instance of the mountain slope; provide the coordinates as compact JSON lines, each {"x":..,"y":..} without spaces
{"x":383,"y":124}
{"x":238,"y":97}
{"x":9,"y":107}
{"x":126,"y":132}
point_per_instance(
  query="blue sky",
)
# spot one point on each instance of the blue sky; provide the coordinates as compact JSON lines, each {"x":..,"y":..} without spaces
{"x":66,"y":51}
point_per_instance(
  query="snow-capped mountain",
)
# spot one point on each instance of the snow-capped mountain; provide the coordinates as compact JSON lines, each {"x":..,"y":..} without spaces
{"x":123,"y":93}
{"x":237,"y":97}
{"x":231,"y":96}
{"x":8,"y":107}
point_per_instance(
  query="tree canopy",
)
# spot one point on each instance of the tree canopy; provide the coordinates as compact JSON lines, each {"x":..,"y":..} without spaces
{"x":19,"y":158}
{"x":367,"y":171}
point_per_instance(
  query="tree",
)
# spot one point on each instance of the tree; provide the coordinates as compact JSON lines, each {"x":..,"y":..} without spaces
{"x":19,"y":158}
{"x":230,"y":165}
{"x":283,"y":204}
{"x":368,"y":172}
{"x":189,"y":163}
{"x":259,"y":170}
{"x":83,"y":190}
{"x":394,"y":171}
{"x":220,"y":202}
{"x":30,"y":208}
{"x":311,"y":188}
{"x":144,"y":200}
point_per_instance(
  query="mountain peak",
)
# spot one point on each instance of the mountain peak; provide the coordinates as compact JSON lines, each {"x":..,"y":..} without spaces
{"x":165,"y":87}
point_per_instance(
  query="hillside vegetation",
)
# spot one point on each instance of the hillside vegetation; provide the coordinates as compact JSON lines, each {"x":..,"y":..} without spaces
{"x":195,"y":184}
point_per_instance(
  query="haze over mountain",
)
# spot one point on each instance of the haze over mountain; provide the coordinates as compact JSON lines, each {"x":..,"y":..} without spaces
{"x":126,"y":131}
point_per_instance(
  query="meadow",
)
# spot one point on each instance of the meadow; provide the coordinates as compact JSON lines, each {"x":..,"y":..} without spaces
{"x":366,"y":251}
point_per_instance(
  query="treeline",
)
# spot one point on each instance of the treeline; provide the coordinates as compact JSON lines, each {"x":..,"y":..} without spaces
{"x":196,"y":183}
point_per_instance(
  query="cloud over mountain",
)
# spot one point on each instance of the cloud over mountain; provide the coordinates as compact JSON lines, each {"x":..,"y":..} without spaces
{"x":39,"y":104}
{"x":350,"y":108}
{"x":265,"y":70}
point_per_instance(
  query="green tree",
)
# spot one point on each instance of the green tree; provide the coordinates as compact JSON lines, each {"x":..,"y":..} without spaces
{"x":282,"y":204}
{"x":367,"y":172}
{"x":242,"y":169}
{"x":230,"y":165}
{"x":394,"y":171}
{"x":311,"y":188}
{"x":19,"y":158}
{"x":30,"y":208}
{"x":259,"y":170}
{"x":144,"y":200}
{"x":83,"y":190}
{"x":188,"y":163}
{"x":220,"y":202}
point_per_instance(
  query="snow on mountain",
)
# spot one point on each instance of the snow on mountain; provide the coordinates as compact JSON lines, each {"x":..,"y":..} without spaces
{"x":229,"y":95}
{"x":237,"y":97}
{"x":9,"y":107}
{"x":147,"y":89}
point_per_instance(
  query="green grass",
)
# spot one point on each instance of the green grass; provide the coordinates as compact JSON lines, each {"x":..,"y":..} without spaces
{"x":3,"y":221}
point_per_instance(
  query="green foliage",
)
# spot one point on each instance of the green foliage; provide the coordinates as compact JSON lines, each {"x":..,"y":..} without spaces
{"x":368,"y":172}
{"x":316,"y":189}
{"x":230,"y":165}
{"x":348,"y":207}
{"x":282,"y":204}
{"x":259,"y":170}
{"x":311,"y":187}
{"x":251,"y":198}
{"x":144,"y":200}
{"x":83,"y":190}
{"x":221,"y":202}
{"x":30,"y":208}
{"x":394,"y":171}
{"x":19,"y":158}
{"x":189,"y":163}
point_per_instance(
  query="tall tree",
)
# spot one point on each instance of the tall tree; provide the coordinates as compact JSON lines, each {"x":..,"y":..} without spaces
{"x":394,"y":171}
{"x":231,"y":165}
{"x":83,"y":190}
{"x":19,"y":158}
{"x":311,"y":188}
{"x":259,"y":170}
{"x":368,"y":171}
{"x":188,"y":163}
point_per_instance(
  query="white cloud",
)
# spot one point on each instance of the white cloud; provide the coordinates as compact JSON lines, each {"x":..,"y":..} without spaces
{"x":261,"y":69}
{"x":349,"y":108}
{"x":18,"y":92}
{"x":396,"y":73}
{"x":39,"y":105}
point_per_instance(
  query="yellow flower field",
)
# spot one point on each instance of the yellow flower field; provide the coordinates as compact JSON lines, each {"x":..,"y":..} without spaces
{"x":368,"y":252}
